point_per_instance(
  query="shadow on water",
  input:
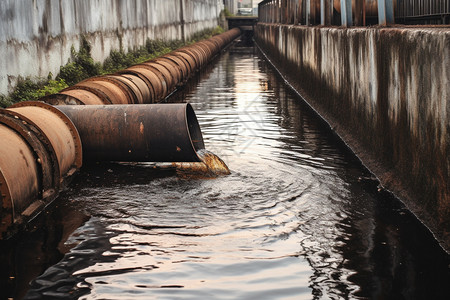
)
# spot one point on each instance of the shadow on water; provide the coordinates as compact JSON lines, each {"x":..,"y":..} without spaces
{"x":298,"y":217}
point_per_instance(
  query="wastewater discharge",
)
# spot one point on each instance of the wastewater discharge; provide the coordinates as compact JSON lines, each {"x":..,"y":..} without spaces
{"x":210,"y":167}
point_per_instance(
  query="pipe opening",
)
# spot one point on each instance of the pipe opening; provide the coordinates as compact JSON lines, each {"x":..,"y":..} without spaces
{"x":193,"y":127}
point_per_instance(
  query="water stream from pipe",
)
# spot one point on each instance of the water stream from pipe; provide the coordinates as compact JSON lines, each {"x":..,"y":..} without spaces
{"x":210,"y":167}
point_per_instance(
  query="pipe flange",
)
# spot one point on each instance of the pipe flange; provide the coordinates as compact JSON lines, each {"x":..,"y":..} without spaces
{"x":7,"y":209}
{"x":73,"y":130}
{"x":43,"y":151}
{"x":114,"y":82}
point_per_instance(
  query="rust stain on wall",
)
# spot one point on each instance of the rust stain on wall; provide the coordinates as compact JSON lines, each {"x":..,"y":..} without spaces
{"x":386,"y":93}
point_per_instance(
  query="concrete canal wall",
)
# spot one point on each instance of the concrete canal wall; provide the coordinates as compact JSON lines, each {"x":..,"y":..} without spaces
{"x":386,"y":92}
{"x":36,"y":35}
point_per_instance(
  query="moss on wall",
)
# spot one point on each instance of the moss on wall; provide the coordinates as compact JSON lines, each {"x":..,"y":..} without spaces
{"x":82,"y":66}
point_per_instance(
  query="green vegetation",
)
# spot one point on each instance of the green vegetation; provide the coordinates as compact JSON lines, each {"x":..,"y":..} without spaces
{"x":29,"y":90}
{"x":227,"y":13}
{"x":119,"y":59}
{"x":81,"y":66}
{"x":4,"y":101}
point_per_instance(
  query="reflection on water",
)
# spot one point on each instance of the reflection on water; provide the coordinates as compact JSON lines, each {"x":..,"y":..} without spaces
{"x":297,"y":218}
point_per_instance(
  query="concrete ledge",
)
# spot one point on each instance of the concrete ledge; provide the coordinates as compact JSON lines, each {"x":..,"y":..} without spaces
{"x":386,"y":92}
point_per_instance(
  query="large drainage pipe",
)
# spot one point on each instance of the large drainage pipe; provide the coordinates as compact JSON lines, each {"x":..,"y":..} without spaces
{"x":40,"y":151}
{"x":41,"y":147}
{"x":152,"y":132}
{"x":148,"y":82}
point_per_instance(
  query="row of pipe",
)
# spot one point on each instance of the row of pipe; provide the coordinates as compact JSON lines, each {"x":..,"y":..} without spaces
{"x":43,"y":146}
{"x":147,"y":82}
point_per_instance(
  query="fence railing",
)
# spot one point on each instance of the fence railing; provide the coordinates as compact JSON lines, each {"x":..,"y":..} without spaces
{"x":354,"y":12}
{"x":410,"y":11}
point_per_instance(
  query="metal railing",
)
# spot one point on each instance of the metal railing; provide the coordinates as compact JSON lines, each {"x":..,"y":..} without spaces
{"x":412,"y":11}
{"x":354,"y":12}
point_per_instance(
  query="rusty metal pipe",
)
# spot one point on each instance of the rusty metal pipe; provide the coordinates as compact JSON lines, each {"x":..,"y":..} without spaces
{"x":189,"y":60}
{"x":180,"y":63}
{"x":169,"y":80}
{"x":156,"y":79}
{"x":115,"y":91}
{"x":77,"y":96}
{"x":173,"y":68}
{"x":153,"y":132}
{"x":148,"y":78}
{"x":147,"y":82}
{"x":40,"y":151}
{"x":19,"y":174}
{"x":58,"y":129}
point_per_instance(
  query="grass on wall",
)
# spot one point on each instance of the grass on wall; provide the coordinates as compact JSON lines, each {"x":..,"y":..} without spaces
{"x":81,"y":66}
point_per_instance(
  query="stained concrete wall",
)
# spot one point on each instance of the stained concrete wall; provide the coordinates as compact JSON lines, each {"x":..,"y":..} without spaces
{"x":386,"y":92}
{"x":36,"y":35}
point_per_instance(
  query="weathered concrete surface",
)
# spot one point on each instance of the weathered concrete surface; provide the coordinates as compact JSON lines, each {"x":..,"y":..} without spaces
{"x":36,"y":35}
{"x":386,"y":92}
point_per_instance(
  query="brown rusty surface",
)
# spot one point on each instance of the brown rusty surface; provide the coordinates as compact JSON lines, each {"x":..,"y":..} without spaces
{"x":146,"y":77}
{"x":61,"y":133}
{"x":169,"y":79}
{"x":102,"y":92}
{"x":6,"y":208}
{"x":220,"y":39}
{"x":181,"y":63}
{"x":189,"y":58}
{"x":134,"y":92}
{"x":154,"y":77}
{"x":201,"y":54}
{"x":124,"y":85}
{"x":156,"y":132}
{"x":387,"y":104}
{"x":116,"y":93}
{"x":172,"y":67}
{"x":49,"y":177}
{"x":140,"y":87}
{"x":85,"y":96}
{"x":217,"y":41}
{"x":371,"y":7}
{"x":68,"y":123}
{"x":61,"y":99}
{"x":214,"y":45}
{"x":19,"y":173}
{"x":194,"y":54}
{"x":211,"y":46}
{"x":205,"y":48}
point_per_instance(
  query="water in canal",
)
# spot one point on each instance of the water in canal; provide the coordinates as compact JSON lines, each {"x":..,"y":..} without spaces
{"x":298,"y":218}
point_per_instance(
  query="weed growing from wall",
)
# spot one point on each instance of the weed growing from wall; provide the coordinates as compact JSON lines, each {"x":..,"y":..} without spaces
{"x":81,"y":66}
{"x":29,"y":90}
